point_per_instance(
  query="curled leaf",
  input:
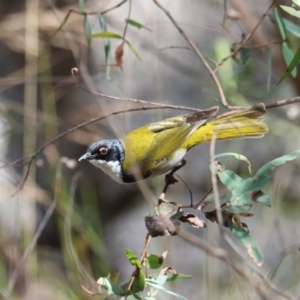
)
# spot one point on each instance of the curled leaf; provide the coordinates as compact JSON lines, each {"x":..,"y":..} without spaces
{"x":193,"y":220}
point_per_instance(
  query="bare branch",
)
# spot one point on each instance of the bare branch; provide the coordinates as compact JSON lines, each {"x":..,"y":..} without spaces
{"x":197,"y":51}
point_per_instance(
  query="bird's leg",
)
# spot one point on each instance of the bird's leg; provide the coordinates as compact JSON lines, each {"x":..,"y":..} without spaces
{"x":169,"y":178}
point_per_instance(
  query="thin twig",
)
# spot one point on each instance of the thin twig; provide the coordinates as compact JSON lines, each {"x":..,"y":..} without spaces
{"x":190,"y":191}
{"x":126,"y":23}
{"x":196,"y":50}
{"x":75,"y":70}
{"x":144,"y":253}
{"x":114,"y":7}
{"x":282,"y":102}
{"x":224,"y":256}
{"x":203,"y":198}
{"x":246,"y":39}
{"x":270,"y":284}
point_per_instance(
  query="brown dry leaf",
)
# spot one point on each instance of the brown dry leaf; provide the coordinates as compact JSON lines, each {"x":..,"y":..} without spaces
{"x":193,"y":220}
{"x":119,"y":55}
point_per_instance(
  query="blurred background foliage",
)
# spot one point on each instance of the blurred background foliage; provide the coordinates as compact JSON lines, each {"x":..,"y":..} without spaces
{"x":70,"y":223}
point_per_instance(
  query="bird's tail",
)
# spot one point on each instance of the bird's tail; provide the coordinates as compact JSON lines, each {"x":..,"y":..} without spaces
{"x":231,"y":125}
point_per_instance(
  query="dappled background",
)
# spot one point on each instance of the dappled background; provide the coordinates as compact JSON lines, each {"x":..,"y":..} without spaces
{"x":70,"y":224}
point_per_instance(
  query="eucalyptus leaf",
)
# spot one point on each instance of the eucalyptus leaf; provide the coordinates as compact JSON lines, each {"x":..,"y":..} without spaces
{"x":235,"y":155}
{"x":133,"y":259}
{"x":133,"y":51}
{"x":290,"y":26}
{"x":280,"y":24}
{"x":290,"y":10}
{"x":244,"y":55}
{"x":243,"y":236}
{"x":114,"y":35}
{"x":230,"y":179}
{"x":107,"y":34}
{"x":296,"y":2}
{"x":158,"y":286}
{"x":136,"y":24}
{"x":246,"y":191}
{"x":237,"y":209}
{"x":110,"y":287}
{"x":262,"y":198}
{"x":294,"y":63}
{"x":287,"y":51}
{"x":153,"y":261}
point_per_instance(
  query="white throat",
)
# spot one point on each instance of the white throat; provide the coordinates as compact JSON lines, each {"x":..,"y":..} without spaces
{"x":111,"y":168}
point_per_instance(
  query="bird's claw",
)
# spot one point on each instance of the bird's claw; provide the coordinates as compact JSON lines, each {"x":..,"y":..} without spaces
{"x":170,"y":179}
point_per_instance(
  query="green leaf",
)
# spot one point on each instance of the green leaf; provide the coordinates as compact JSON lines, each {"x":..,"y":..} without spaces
{"x":237,"y":209}
{"x":173,"y":277}
{"x":107,"y":34}
{"x":293,"y":12}
{"x":158,"y":285}
{"x":106,"y":42}
{"x":235,"y":155}
{"x":264,"y":199}
{"x":288,"y":55}
{"x":243,"y":236}
{"x":297,"y":2}
{"x":133,"y":258}
{"x":139,"y":283}
{"x":87,"y":29}
{"x":136,"y":24}
{"x":280,"y":24}
{"x":110,"y":287}
{"x":61,"y":25}
{"x":244,"y":55}
{"x":81,"y":5}
{"x":153,"y":261}
{"x":230,"y":179}
{"x":268,"y":54}
{"x":113,"y":35}
{"x":285,"y":274}
{"x":268,"y":168}
{"x":294,"y":63}
{"x":133,"y":51}
{"x":287,"y":51}
{"x":246,"y":191}
{"x":290,"y":26}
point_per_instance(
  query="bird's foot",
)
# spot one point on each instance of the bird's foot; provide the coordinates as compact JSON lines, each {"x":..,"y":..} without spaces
{"x":170,"y":179}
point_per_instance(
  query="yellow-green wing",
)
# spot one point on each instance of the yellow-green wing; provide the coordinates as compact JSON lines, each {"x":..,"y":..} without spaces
{"x":151,"y":145}
{"x":246,"y":123}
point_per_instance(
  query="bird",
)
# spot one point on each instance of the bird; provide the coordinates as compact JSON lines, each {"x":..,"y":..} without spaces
{"x":160,"y":147}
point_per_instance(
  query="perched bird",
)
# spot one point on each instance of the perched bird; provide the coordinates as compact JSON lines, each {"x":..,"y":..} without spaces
{"x":159,"y":147}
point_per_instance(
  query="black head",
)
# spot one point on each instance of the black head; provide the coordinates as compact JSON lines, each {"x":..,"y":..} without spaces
{"x":105,"y":150}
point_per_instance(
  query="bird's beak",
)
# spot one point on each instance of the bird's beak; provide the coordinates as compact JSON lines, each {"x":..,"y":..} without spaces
{"x":85,"y":156}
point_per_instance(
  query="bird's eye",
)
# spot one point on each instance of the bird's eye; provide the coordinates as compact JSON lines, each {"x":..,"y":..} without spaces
{"x":103,"y":150}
